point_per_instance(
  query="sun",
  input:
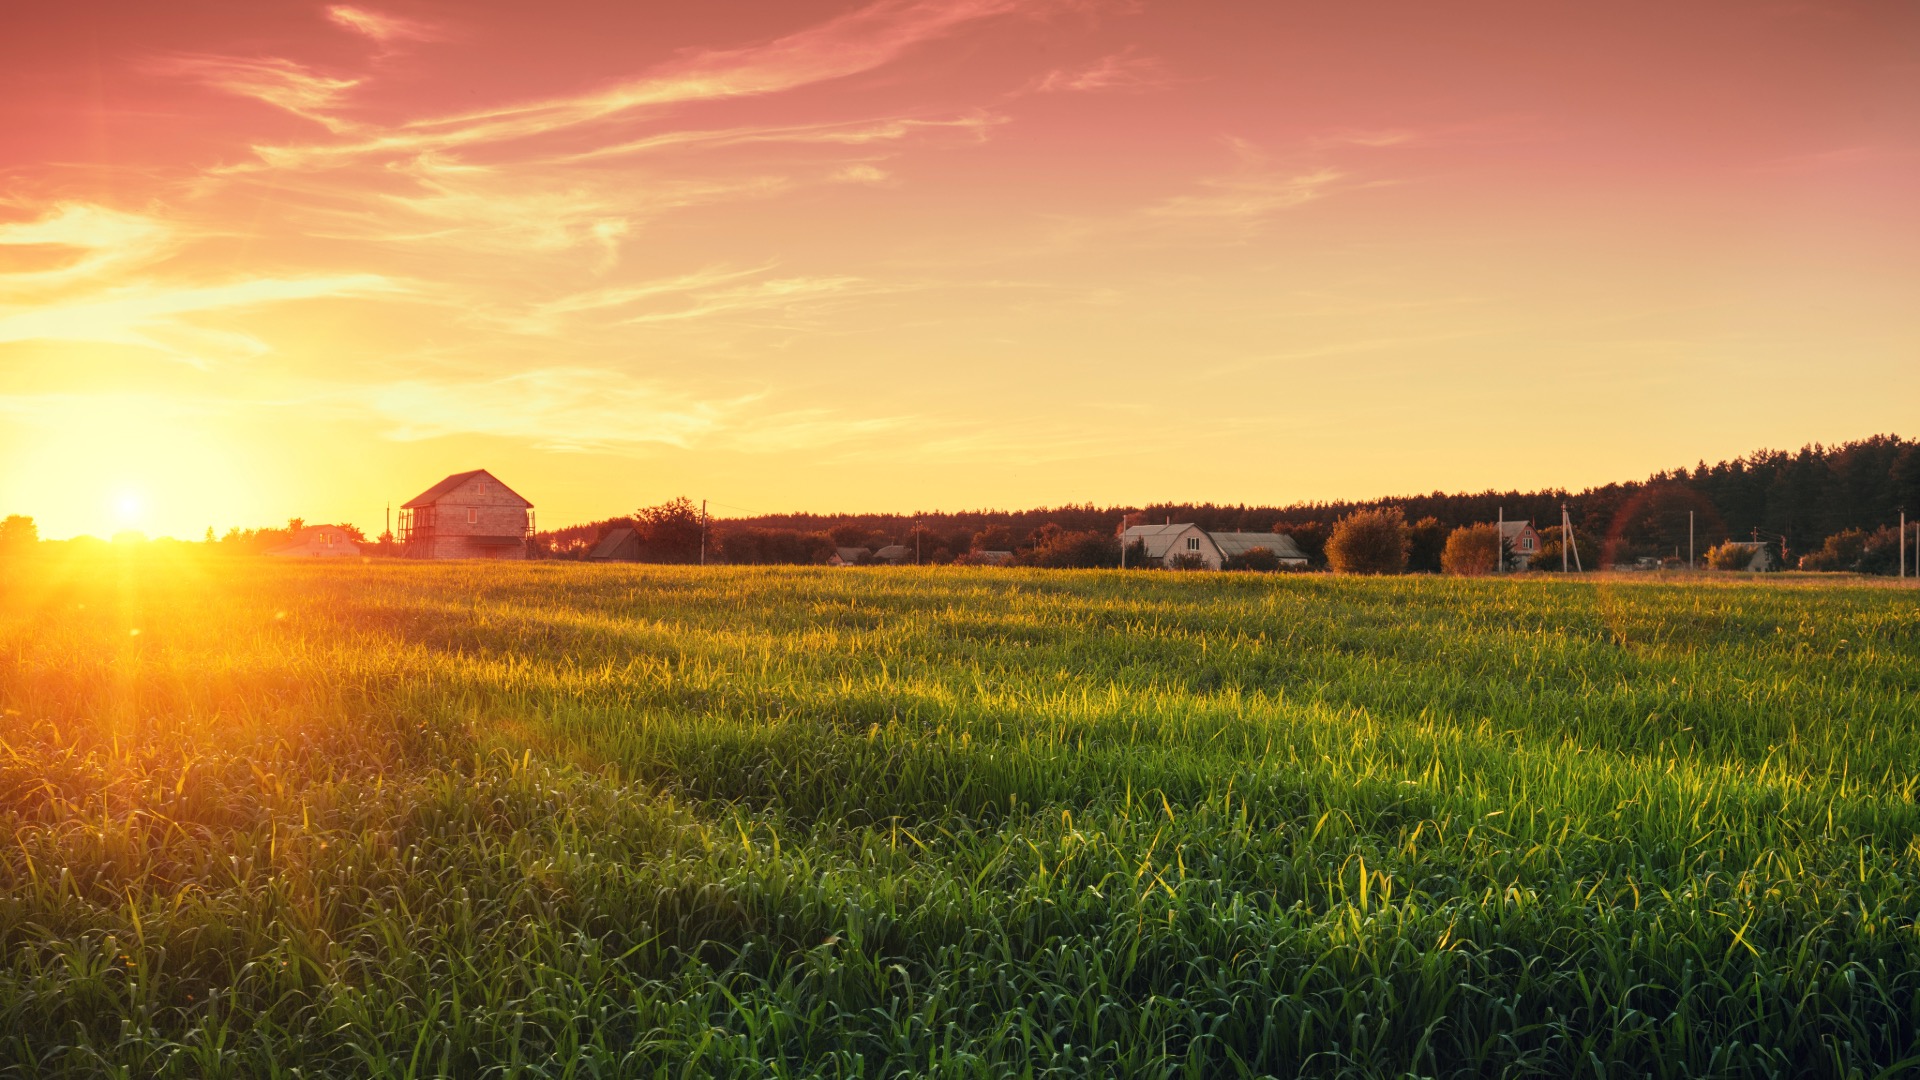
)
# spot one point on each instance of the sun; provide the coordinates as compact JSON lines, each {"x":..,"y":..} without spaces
{"x":129,"y":508}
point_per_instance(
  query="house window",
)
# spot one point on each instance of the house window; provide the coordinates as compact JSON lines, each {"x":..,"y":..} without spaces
{"x":473,"y":516}
{"x":1193,"y":543}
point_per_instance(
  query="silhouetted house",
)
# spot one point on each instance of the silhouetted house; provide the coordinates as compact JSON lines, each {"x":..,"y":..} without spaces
{"x":1187,"y":545}
{"x":987,"y":558}
{"x":849,"y":556}
{"x":619,"y":545}
{"x":894,"y":554}
{"x":1522,"y":542}
{"x":469,"y":515}
{"x":320,"y":542}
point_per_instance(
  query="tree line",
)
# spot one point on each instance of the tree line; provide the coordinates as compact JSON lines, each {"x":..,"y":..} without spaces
{"x":1822,"y":507}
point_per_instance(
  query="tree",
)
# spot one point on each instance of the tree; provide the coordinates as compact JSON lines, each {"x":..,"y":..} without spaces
{"x":670,"y":532}
{"x":1427,"y":541}
{"x":992,"y":538}
{"x":18,"y":533}
{"x":1472,"y":550}
{"x":1060,"y":548}
{"x":1548,"y":557}
{"x":1310,"y":537}
{"x":1369,"y":542}
{"x":1731,"y":556}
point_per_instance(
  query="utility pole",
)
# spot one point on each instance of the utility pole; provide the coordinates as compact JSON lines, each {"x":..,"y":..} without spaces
{"x":1689,"y":540}
{"x":1500,"y":541}
{"x":703,"y":532}
{"x":1903,"y":546}
{"x":916,"y":541}
{"x":1566,"y":537}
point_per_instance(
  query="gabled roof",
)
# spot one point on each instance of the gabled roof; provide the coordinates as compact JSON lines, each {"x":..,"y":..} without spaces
{"x":851,"y":554}
{"x":1514,"y":528}
{"x":1158,"y":538}
{"x":440,"y":490}
{"x":610,"y":544}
{"x":1239,"y":543}
{"x":892,"y":551}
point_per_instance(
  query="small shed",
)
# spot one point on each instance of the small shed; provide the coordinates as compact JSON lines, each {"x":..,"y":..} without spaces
{"x":621,"y":544}
{"x":319,"y":542}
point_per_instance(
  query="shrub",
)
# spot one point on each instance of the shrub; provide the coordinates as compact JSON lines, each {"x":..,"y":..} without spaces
{"x":19,"y":533}
{"x":1730,"y":556}
{"x":1427,"y":542}
{"x":1255,"y":558}
{"x":1471,"y":550}
{"x":1857,"y":551}
{"x":1369,"y":542}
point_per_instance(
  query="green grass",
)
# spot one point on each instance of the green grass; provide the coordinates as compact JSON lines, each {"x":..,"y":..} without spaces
{"x":563,"y":820}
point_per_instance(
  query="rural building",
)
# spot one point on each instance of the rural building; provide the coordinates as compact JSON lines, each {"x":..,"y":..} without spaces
{"x":1235,"y":544}
{"x":619,"y":545}
{"x":849,"y":556}
{"x":1186,"y":544}
{"x":989,"y":558}
{"x":1522,"y":541}
{"x":1172,"y":545}
{"x":1759,"y":555}
{"x":319,"y":542}
{"x":894,"y":554}
{"x":469,"y":515}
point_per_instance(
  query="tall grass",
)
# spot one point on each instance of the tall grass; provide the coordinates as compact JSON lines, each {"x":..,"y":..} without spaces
{"x":562,"y":820}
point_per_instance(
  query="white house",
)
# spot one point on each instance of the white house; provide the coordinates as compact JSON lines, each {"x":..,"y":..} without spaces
{"x":1187,"y":544}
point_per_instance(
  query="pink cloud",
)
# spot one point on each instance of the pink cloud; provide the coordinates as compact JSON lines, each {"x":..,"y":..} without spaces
{"x":384,"y":29}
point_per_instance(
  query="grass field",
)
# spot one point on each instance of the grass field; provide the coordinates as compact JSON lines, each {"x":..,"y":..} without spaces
{"x":561,"y":820}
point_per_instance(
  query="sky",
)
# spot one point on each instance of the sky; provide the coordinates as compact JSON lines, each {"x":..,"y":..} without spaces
{"x":260,"y":261}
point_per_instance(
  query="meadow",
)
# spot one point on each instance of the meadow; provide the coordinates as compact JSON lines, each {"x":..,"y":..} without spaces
{"x":496,"y":820}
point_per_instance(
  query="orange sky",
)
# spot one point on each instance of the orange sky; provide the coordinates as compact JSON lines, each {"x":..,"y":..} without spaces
{"x":265,"y":260}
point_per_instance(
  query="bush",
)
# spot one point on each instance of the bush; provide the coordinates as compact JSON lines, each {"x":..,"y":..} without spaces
{"x":1730,"y":556}
{"x":1471,"y":550}
{"x":1857,"y":551}
{"x":1255,"y":558}
{"x":18,"y":533}
{"x":1427,"y":542}
{"x":1369,"y":542}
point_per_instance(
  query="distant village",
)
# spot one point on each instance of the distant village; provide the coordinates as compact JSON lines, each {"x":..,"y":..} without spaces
{"x":1669,"y":522}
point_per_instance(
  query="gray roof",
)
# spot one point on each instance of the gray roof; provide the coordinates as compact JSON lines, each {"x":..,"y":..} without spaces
{"x":1239,"y":543}
{"x":1157,"y":538}
{"x":1513,"y":528}
{"x":893,"y":551}
{"x":851,"y":554}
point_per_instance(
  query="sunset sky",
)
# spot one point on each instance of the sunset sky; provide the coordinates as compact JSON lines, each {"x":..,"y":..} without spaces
{"x":260,"y":260}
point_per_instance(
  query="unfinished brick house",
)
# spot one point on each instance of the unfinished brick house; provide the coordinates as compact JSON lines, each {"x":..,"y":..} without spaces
{"x":469,"y":515}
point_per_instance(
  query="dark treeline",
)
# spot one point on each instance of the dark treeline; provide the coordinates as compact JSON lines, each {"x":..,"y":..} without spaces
{"x":1795,"y":501}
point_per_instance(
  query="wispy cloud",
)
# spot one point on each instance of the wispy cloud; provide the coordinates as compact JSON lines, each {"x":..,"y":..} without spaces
{"x":384,"y":29}
{"x":152,"y":316}
{"x":281,"y":83}
{"x":1124,"y":70}
{"x":854,"y":133}
{"x":100,"y":239}
{"x":858,"y":41}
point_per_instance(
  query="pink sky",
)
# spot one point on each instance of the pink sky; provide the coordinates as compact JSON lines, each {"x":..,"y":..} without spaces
{"x":266,"y":260}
